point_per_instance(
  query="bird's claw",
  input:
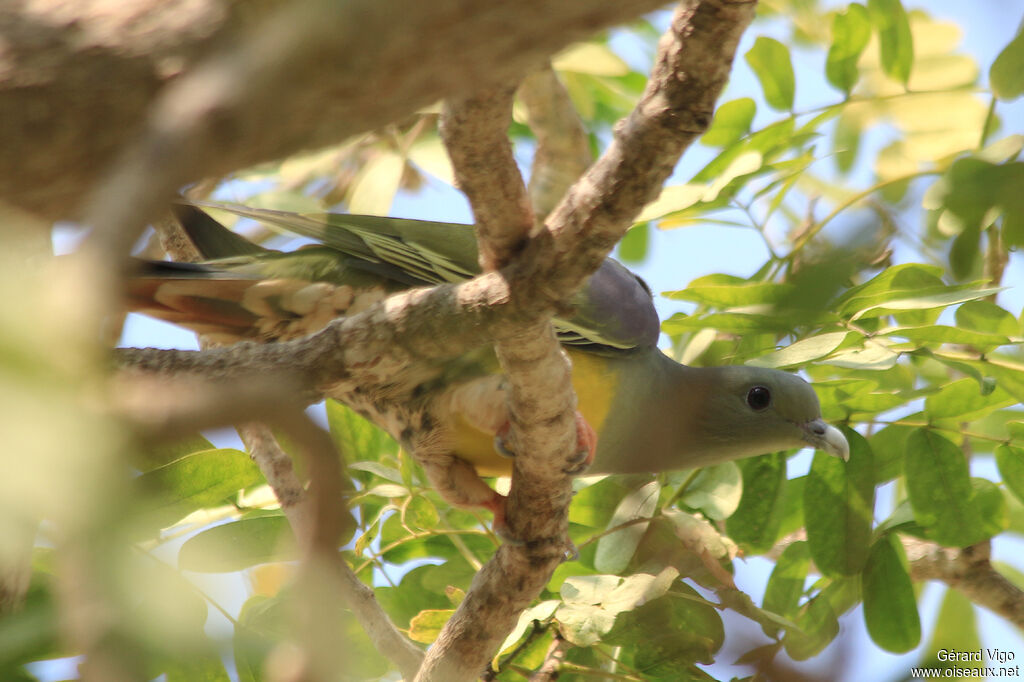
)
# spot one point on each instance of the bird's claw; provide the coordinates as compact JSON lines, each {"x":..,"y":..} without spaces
{"x":586,"y":445}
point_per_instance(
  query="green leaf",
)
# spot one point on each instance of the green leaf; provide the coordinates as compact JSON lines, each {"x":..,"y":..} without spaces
{"x":818,"y":626}
{"x":715,"y":491}
{"x":770,"y":61}
{"x":965,"y":253}
{"x":375,"y":184}
{"x":667,"y":633}
{"x":756,"y":521}
{"x":426,"y":625}
{"x":839,"y":507}
{"x":964,"y":399}
{"x":986,"y":317}
{"x":165,"y":453}
{"x":938,"y":334}
{"x":896,"y":44}
{"x":238,"y":545}
{"x":976,"y":187}
{"x":615,"y":550}
{"x":941,"y":492}
{"x":786,"y":583}
{"x":727,"y":291}
{"x":1007,"y":72}
{"x":890,"y":608}
{"x":202,"y":479}
{"x":633,"y":246}
{"x":732,"y":121}
{"x":956,"y":629}
{"x":851,"y":31}
{"x":801,"y":352}
{"x":355,"y":436}
{"x":1010,"y":460}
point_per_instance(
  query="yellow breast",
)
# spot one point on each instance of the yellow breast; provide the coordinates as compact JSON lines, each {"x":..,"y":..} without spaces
{"x":595,"y":384}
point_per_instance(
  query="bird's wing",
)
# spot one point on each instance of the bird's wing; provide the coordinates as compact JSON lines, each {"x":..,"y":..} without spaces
{"x":614,"y":311}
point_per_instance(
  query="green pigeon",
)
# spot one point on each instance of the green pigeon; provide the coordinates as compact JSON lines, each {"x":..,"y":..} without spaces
{"x":647,"y":412}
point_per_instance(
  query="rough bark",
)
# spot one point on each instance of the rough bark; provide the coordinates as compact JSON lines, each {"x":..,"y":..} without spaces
{"x":209,"y":86}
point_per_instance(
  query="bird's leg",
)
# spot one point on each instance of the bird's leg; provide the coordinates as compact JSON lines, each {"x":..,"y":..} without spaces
{"x":458,"y":483}
{"x":483,"y":404}
{"x":586,"y":444}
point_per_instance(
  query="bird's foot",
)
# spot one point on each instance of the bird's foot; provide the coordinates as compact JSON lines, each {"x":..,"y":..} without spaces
{"x":496,"y":505}
{"x":586,"y":444}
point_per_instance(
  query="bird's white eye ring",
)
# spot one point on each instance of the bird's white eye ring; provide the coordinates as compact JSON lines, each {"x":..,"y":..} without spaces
{"x":759,"y":398}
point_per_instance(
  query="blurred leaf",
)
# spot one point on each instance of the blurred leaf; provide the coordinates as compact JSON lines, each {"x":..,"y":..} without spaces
{"x":201,"y":479}
{"x":732,"y":121}
{"x":965,"y":252}
{"x":756,"y":521}
{"x":633,"y":246}
{"x":975,"y":187}
{"x":726,"y":291}
{"x":615,"y":550}
{"x":1010,"y":460}
{"x":890,"y":607}
{"x":426,"y":625}
{"x":715,"y":491}
{"x":1007,"y":73}
{"x":164,"y":453}
{"x":375,"y":185}
{"x":895,"y":41}
{"x":818,"y":626}
{"x":985,"y":316}
{"x":956,"y":629}
{"x":839,"y":508}
{"x":239,"y":544}
{"x":851,"y":31}
{"x":769,"y":59}
{"x":358,"y":439}
{"x":591,"y":58}
{"x":786,"y":583}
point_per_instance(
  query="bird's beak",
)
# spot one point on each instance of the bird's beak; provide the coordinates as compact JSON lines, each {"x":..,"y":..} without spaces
{"x":822,"y":436}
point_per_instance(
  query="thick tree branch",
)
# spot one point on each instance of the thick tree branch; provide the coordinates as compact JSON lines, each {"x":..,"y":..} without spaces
{"x":276,"y":77}
{"x":541,"y":400}
{"x":969,"y":571}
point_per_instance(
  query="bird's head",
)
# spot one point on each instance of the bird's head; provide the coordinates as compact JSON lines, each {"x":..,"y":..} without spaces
{"x":776,"y":410}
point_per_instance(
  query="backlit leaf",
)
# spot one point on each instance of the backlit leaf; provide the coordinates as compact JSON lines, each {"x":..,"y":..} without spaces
{"x":839,"y":507}
{"x":615,"y":550}
{"x":732,"y":121}
{"x":786,"y":583}
{"x":890,"y":607}
{"x":1010,"y":460}
{"x":239,"y":544}
{"x":770,"y":61}
{"x":896,"y":44}
{"x":1007,"y":73}
{"x":851,"y":31}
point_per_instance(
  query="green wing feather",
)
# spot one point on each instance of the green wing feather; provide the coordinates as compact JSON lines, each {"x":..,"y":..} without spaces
{"x":613,"y":312}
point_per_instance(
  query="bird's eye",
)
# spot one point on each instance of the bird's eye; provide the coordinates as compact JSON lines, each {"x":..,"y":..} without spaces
{"x":759,"y":398}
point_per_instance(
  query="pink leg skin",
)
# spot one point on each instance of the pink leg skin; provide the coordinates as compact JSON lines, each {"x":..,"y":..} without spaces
{"x":459,"y":484}
{"x":586,"y":444}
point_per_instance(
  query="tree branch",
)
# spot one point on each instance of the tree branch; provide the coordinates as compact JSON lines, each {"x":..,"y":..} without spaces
{"x":563,"y":150}
{"x":239,"y":83}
